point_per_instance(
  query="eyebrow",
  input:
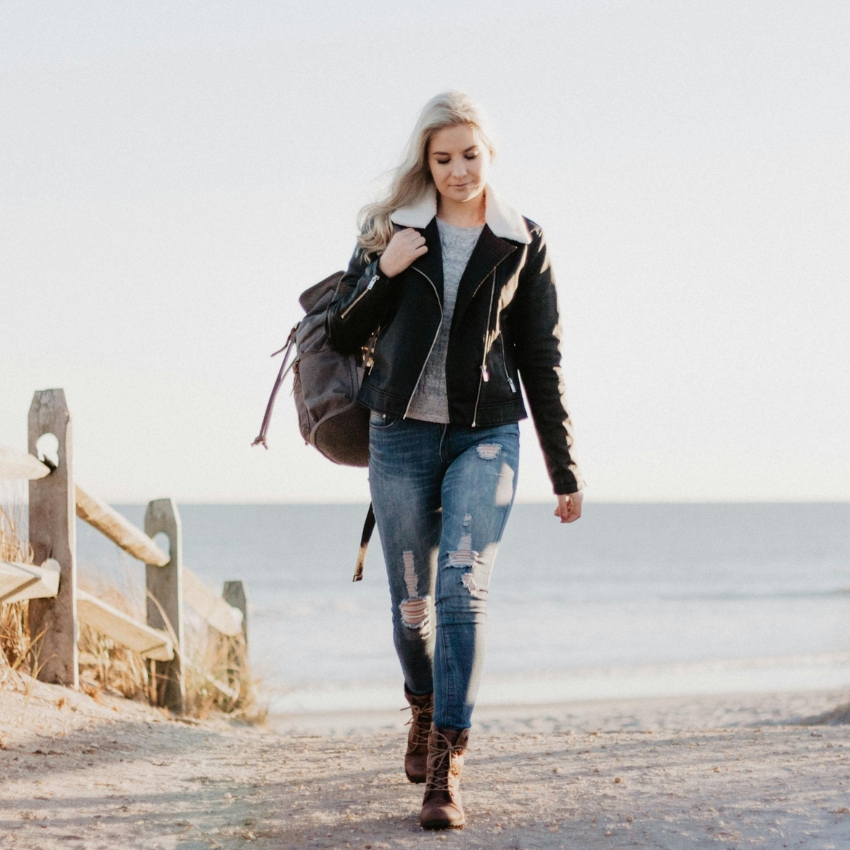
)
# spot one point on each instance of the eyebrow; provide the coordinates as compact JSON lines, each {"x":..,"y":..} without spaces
{"x":446,"y":153}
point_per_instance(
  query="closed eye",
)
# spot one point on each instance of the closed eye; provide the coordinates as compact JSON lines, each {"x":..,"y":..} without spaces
{"x":466,"y":156}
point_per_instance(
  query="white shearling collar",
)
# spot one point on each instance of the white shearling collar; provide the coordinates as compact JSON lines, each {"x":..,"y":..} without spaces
{"x":500,"y":216}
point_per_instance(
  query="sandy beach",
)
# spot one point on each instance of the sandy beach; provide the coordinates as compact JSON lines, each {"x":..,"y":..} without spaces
{"x":721,"y":771}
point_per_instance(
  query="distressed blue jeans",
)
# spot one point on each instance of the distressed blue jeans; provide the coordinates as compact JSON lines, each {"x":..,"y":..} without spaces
{"x":442,"y":495}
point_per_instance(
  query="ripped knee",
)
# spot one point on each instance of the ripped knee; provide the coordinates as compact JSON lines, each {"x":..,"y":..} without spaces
{"x":416,"y":609}
{"x":466,"y":558}
{"x":416,"y":616}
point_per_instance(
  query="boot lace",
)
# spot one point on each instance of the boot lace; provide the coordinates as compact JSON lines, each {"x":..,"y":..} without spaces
{"x":440,"y":765}
{"x":420,"y":729}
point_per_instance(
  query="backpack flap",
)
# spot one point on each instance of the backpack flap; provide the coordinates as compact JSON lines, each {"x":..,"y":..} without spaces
{"x":310,"y":297}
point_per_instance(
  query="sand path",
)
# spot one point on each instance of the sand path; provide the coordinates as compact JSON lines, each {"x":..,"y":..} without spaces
{"x":676,"y":773}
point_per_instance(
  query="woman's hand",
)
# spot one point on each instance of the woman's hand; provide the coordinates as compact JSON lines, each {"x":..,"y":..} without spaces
{"x":405,"y":246}
{"x":569,"y":507}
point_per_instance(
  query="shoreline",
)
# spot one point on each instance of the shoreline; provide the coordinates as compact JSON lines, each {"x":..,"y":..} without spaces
{"x":731,"y":770}
{"x":829,"y":671}
{"x":732,"y":710}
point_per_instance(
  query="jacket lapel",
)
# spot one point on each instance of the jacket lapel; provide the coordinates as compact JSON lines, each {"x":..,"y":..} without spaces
{"x":431,"y":263}
{"x":489,"y":251}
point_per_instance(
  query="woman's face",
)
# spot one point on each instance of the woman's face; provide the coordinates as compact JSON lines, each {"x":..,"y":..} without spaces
{"x":459,"y":163}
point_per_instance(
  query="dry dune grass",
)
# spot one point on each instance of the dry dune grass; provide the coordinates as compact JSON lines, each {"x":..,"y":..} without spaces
{"x":215,"y":658}
{"x":106,"y":667}
{"x":18,"y":648}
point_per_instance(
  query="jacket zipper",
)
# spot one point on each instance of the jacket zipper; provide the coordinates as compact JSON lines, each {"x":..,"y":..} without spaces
{"x":370,"y":356}
{"x":505,"y":363}
{"x":485,"y":375}
{"x":433,"y":343}
{"x":351,"y":306}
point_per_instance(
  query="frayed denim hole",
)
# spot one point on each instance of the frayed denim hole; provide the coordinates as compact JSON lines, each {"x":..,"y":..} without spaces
{"x":488,"y":451}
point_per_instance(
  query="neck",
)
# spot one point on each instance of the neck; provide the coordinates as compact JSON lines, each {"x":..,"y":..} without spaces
{"x":462,"y":214}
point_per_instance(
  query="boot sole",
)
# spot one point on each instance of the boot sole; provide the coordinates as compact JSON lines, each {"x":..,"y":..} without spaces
{"x":442,"y":824}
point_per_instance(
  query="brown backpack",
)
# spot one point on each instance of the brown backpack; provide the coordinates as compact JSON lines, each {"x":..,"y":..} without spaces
{"x":325,"y":385}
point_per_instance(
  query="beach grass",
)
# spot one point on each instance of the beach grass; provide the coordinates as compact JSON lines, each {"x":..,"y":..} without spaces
{"x":210,"y":659}
{"x":18,"y":647}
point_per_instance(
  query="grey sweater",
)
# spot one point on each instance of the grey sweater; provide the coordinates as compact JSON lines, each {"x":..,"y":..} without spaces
{"x":430,"y":401}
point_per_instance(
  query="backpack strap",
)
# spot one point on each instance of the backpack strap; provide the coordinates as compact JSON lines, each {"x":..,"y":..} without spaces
{"x":267,"y":418}
{"x":368,"y":528}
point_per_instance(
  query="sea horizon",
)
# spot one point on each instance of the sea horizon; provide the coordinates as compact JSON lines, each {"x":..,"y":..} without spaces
{"x":634,"y":599}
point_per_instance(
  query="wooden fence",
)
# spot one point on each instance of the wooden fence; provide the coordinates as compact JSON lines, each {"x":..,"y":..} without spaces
{"x":57,"y":605}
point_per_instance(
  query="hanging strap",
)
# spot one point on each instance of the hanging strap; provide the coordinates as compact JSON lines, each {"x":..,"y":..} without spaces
{"x":368,"y":528}
{"x":287,"y":347}
{"x":285,"y":366}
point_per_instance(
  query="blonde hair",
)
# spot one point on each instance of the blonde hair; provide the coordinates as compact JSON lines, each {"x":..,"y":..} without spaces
{"x":412,"y":179}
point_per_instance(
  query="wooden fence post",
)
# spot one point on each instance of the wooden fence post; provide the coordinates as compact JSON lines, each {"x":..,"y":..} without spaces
{"x":52,"y":534}
{"x":165,"y":586}
{"x":234,"y":594}
{"x":237,"y":656}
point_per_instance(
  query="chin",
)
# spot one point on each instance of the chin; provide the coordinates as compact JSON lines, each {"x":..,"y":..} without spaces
{"x":469,"y":194}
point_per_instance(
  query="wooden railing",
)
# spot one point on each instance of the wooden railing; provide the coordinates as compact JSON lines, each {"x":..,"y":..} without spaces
{"x":57,"y":605}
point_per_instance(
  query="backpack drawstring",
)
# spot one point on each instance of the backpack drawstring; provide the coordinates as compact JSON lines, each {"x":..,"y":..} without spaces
{"x":282,"y":373}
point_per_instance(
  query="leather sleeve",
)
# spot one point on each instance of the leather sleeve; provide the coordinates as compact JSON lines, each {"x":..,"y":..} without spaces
{"x":537,"y":343}
{"x":362,"y":303}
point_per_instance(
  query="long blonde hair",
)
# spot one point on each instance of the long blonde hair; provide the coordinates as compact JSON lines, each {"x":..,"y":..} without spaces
{"x":412,"y":179}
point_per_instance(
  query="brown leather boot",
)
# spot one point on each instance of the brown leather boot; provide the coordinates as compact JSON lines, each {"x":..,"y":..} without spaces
{"x":442,"y":807}
{"x":416,"y":757}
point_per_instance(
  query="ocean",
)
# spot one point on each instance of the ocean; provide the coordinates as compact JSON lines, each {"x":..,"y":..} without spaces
{"x":632,"y":600}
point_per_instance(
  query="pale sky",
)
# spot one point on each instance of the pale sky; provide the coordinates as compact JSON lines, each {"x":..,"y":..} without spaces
{"x":173,"y":174}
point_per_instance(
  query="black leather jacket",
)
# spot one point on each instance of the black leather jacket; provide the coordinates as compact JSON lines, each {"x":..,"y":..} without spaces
{"x":505,"y":327}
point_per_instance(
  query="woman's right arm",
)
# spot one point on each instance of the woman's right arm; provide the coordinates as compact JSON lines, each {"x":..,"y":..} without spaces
{"x":364,"y":298}
{"x":359,"y":305}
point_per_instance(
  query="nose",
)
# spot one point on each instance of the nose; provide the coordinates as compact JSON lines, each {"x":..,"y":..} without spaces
{"x":459,"y":167}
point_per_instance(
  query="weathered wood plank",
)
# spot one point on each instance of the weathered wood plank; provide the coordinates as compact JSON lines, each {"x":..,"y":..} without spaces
{"x":217,"y":613}
{"x":27,"y":581}
{"x":165,"y":600}
{"x":122,"y":628}
{"x":53,"y":535}
{"x":15,"y":465}
{"x":119,"y":529}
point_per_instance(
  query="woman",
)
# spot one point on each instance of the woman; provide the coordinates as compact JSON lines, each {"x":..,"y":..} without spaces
{"x":451,"y":298}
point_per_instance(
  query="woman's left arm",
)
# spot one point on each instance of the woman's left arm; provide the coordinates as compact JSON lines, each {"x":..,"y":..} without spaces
{"x":568,"y":508}
{"x":537,"y":335}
